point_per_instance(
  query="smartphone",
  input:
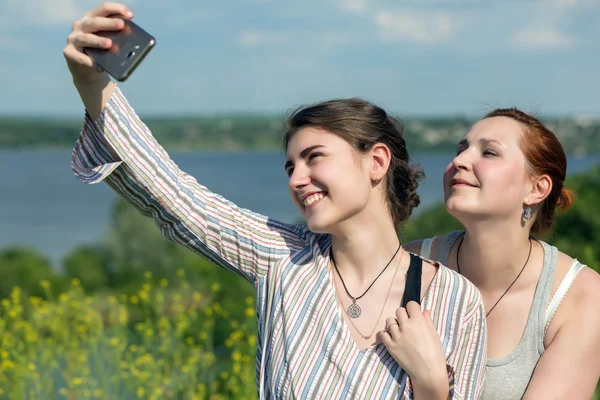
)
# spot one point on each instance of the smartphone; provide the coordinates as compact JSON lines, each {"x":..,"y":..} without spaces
{"x":129,"y":47}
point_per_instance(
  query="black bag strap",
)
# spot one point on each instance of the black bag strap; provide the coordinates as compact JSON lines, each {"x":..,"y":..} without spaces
{"x":412,"y":289}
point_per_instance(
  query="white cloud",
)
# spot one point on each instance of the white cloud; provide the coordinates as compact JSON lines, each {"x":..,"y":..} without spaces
{"x":541,"y":38}
{"x":353,"y":6}
{"x":544,"y":30}
{"x":416,"y":26}
{"x":49,"y":12}
{"x":253,"y":38}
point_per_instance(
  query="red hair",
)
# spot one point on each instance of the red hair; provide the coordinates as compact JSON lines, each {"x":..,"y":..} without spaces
{"x":545,"y":156}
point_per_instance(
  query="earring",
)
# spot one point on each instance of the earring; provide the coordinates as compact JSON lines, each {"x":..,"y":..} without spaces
{"x":528,"y":213}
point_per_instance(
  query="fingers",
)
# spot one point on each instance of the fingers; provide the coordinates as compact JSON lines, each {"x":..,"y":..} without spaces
{"x":109,"y":8}
{"x":413,"y":309}
{"x":82,"y":40}
{"x":96,"y":24}
{"x":401,"y":317}
{"x":391,"y":327}
{"x":78,"y":57}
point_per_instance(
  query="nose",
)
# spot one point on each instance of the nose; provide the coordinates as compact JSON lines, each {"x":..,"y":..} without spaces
{"x":299,"y":178}
{"x":461,"y":161}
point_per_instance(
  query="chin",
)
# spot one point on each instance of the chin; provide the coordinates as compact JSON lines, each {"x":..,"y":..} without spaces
{"x":317,"y":226}
{"x":459,"y":207}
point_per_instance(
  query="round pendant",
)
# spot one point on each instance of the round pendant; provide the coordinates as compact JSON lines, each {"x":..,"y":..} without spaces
{"x":354,"y":311}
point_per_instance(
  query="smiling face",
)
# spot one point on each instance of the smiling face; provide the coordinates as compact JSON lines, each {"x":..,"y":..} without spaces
{"x":488,"y":177}
{"x":330,"y":181}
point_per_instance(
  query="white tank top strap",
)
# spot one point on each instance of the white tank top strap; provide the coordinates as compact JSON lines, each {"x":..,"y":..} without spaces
{"x":562,"y":290}
{"x":426,"y":247}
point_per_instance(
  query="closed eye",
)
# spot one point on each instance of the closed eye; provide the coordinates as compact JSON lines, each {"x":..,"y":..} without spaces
{"x":490,"y":153}
{"x":289,"y":171}
{"x":312,"y":156}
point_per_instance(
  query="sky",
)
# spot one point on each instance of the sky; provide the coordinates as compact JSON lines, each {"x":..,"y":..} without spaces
{"x":414,"y":58}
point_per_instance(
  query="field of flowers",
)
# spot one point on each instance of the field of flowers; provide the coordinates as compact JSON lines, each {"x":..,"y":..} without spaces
{"x":158,"y":343}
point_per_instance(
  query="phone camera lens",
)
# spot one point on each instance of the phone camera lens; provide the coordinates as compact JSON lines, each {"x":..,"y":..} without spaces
{"x":130,"y":54}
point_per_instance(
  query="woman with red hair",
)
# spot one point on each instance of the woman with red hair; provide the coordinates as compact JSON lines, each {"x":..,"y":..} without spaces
{"x":505,"y":185}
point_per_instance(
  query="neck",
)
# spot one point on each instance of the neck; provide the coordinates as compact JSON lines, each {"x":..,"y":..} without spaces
{"x":362,"y":247}
{"x":492,"y":254}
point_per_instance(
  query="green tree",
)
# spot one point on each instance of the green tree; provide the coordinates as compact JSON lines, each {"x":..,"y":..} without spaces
{"x":26,"y":268}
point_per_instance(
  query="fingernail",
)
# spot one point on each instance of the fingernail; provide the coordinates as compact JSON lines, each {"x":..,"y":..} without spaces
{"x":129,"y":13}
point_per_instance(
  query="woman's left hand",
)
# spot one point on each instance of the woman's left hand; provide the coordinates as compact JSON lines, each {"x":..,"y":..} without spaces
{"x":412,"y":340}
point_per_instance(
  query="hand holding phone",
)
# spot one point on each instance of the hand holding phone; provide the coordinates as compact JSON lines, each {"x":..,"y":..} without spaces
{"x":130,"y":46}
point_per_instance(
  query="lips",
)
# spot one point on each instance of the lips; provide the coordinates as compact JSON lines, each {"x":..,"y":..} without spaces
{"x":461,"y":182}
{"x":311,"y":198}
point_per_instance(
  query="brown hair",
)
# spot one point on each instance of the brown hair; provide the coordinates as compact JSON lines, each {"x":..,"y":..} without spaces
{"x":545,"y":156}
{"x":362,"y":125}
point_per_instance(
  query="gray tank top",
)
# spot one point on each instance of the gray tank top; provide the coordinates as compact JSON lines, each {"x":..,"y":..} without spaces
{"x":507,"y":378}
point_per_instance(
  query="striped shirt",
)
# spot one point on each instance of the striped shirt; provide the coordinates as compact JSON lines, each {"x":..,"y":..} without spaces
{"x":305,"y":349}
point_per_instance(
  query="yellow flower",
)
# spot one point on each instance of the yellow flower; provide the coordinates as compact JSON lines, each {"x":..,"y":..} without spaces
{"x":163,"y":282}
{"x":134,"y":299}
{"x":215,"y":287}
{"x":63,"y":391}
{"x":77,"y":381}
{"x":236,"y":356}
{"x":141,"y":391}
{"x":249,"y":300}
{"x":197,"y":296}
{"x":146,"y":287}
{"x":75,"y":282}
{"x":114,"y":341}
{"x":148,"y":275}
{"x":249,"y":312}
{"x":252,"y":340}
{"x":112,"y":300}
{"x":189,"y":340}
{"x":31,"y":367}
{"x":180,"y":272}
{"x":45,"y":284}
{"x":97,"y":393}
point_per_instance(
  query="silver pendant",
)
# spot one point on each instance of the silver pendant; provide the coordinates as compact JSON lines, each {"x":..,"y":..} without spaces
{"x":354,"y":310}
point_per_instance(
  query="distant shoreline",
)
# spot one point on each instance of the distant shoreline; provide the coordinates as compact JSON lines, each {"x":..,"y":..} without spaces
{"x":257,"y":133}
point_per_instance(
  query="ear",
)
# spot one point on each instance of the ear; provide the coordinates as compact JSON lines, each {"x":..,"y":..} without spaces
{"x":540,"y":189}
{"x":381,"y":157}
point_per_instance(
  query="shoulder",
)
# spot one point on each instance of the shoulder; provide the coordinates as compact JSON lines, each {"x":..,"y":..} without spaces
{"x":579,"y":307}
{"x":454,"y":290}
{"x":416,"y":246}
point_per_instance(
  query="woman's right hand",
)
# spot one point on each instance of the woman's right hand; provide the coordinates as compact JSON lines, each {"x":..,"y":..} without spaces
{"x":84,"y":34}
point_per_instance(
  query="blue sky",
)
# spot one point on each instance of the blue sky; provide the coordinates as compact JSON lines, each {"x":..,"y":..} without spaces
{"x":412,"y":57}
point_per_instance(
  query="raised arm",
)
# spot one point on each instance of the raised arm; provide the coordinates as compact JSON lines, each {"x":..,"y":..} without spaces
{"x":116,"y":147}
{"x":570,"y":365}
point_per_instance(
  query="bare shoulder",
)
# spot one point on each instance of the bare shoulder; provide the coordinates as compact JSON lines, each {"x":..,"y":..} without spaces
{"x":580,"y":304}
{"x":415,"y":245}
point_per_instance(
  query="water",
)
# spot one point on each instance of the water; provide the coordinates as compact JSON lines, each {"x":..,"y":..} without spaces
{"x":42,"y":204}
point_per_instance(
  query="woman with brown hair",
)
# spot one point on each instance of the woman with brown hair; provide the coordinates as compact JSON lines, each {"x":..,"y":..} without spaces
{"x":505,"y":185}
{"x":334,"y":295}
